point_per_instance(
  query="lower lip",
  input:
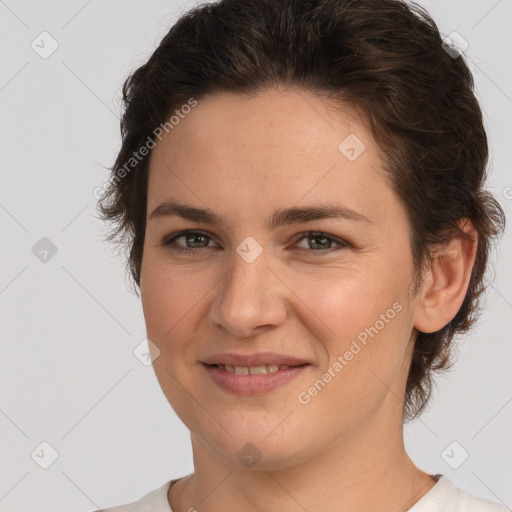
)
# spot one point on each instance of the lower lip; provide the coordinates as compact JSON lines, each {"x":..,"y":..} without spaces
{"x":252,"y":384}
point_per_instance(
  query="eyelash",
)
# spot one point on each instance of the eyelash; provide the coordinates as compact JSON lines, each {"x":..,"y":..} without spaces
{"x":167,"y":242}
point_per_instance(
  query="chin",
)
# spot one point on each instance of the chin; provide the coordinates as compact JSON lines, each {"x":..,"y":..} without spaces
{"x":260,"y":455}
{"x":255,"y":448}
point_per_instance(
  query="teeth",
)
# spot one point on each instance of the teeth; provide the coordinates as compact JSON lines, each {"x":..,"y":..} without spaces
{"x":254,"y":370}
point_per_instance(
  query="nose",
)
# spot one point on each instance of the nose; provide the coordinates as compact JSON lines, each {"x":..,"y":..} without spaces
{"x":251,"y":298}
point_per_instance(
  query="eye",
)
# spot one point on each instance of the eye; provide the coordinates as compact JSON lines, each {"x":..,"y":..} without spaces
{"x":321,"y":242}
{"x":191,"y":236}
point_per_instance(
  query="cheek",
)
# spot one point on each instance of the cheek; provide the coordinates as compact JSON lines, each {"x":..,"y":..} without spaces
{"x":170,"y":299}
{"x":367,"y":326}
{"x":365,"y":361}
{"x":351,"y":300}
{"x":172,"y":302}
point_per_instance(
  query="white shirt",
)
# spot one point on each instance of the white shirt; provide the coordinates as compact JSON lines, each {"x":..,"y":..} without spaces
{"x":443,"y":497}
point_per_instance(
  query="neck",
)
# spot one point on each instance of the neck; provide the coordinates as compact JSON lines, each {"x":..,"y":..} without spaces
{"x":367,"y":469}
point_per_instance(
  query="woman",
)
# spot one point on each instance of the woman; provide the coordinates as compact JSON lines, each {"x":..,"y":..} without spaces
{"x":301,"y":184}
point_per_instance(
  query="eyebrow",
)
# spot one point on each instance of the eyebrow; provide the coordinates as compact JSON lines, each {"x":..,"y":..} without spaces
{"x":280,"y":217}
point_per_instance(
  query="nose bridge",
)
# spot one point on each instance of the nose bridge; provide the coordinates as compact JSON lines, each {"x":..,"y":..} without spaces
{"x":248,"y":297}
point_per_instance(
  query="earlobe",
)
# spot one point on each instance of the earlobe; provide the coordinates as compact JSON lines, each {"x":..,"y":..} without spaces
{"x":444,"y":287}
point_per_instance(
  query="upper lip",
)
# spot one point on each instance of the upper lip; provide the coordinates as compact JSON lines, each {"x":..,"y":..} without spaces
{"x":259,"y":359}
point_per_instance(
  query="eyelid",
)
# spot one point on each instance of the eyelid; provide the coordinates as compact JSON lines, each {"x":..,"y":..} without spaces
{"x":341,"y":243}
{"x":169,"y":239}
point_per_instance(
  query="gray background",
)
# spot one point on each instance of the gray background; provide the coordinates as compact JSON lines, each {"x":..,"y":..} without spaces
{"x":68,"y":375}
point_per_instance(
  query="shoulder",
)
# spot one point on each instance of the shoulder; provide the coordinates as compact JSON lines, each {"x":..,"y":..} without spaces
{"x":446,"y":497}
{"x":154,"y":501}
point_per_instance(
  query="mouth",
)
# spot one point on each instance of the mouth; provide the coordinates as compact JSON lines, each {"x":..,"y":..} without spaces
{"x":252,"y":380}
{"x":255,"y":370}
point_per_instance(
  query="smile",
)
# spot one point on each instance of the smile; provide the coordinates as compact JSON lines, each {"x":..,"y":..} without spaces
{"x":252,"y":380}
{"x":253,"y":370}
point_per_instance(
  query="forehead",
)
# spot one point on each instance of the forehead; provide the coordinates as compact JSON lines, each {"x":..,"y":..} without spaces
{"x":271,"y":148}
{"x":273,"y":117}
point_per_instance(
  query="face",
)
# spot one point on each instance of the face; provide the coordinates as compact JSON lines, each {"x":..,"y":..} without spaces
{"x":328,"y":295}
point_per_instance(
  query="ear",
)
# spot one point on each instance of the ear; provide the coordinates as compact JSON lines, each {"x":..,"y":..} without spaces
{"x":443,"y":289}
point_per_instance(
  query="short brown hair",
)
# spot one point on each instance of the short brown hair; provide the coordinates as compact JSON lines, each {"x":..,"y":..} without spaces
{"x":387,"y":59}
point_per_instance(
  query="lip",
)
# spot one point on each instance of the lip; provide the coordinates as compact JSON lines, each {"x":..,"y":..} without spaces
{"x":251,"y":385}
{"x":255,"y":359}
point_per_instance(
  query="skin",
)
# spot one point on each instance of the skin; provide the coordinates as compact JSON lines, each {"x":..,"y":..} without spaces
{"x":243,"y":158}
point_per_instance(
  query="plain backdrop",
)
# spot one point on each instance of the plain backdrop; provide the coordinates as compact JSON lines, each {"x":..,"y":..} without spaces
{"x":73,"y":394}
